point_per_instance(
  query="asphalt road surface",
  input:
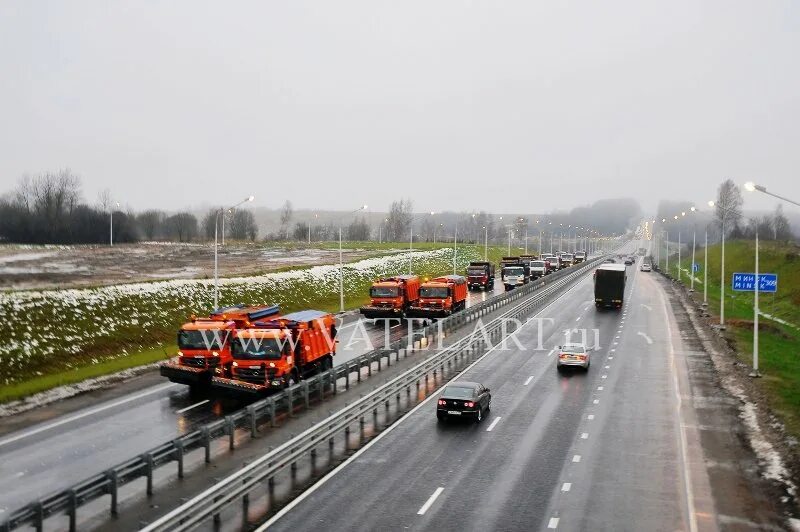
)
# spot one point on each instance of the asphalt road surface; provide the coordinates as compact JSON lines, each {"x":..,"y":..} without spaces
{"x":107,"y":427}
{"x":600,"y":450}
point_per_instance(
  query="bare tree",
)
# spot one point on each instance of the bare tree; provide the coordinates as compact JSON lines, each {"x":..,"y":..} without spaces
{"x":780,"y":225}
{"x":397,"y":228}
{"x":150,"y":223}
{"x":286,"y":218}
{"x":243,"y":225}
{"x":182,"y":226}
{"x":729,"y":206}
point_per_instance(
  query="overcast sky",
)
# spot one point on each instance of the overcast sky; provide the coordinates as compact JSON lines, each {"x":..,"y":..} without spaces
{"x":521,"y":106}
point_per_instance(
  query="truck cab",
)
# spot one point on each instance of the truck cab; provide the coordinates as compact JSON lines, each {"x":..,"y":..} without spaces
{"x":391,"y":297}
{"x":567,"y":260}
{"x":538,"y":269}
{"x":580,"y":256}
{"x":274,"y":354}
{"x":204,"y":343}
{"x":480,"y":275}
{"x":441,"y":297}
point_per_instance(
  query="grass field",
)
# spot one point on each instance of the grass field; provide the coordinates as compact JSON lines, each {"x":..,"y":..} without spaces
{"x":779,"y":344}
{"x":57,"y":337}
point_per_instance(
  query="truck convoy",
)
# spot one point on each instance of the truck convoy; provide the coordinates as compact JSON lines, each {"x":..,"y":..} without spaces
{"x":514,"y":272}
{"x":391,"y":297}
{"x":480,"y":275}
{"x":609,"y":285}
{"x":204,"y":347}
{"x":440,"y":297}
{"x":276,"y":353}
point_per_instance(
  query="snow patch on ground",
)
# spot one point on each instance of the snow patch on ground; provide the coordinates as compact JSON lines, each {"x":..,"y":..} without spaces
{"x":771,"y":460}
{"x":70,"y":390}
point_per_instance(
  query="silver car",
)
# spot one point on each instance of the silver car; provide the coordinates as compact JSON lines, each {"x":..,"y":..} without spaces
{"x":573,"y":355}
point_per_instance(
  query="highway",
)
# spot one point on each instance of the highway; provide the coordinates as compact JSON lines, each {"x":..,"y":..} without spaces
{"x":601,"y":450}
{"x":66,"y":442}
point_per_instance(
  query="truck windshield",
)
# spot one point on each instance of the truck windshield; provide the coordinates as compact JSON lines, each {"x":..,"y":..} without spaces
{"x":537,"y":264}
{"x":383,"y":291}
{"x":567,"y":257}
{"x":209,"y":340}
{"x":476,"y":271}
{"x":439,"y":292}
{"x":517,"y":270}
{"x":256,"y":349}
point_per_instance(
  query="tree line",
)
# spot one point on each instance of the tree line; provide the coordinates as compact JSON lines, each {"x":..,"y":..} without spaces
{"x":49,"y":209}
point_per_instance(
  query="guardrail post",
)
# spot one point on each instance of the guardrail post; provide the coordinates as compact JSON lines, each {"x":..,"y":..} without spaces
{"x":389,"y":359}
{"x":333,"y":380}
{"x":111,"y":475}
{"x":347,"y":437}
{"x":245,"y":505}
{"x":149,"y":466}
{"x":306,"y":395}
{"x":179,"y":455}
{"x":251,"y":412}
{"x":206,"y":435}
{"x":369,"y":367}
{"x":347,"y":375}
{"x":293,"y":469}
{"x":290,"y":398}
{"x":330,"y":449}
{"x":313,"y":462}
{"x":217,"y":519}
{"x":73,"y":511}
{"x":379,"y":363}
{"x":358,"y":375}
{"x":361,"y":424}
{"x":230,"y":429}
{"x":271,"y":407}
{"x":39,"y":523}
{"x":375,"y":419}
{"x":271,"y":490}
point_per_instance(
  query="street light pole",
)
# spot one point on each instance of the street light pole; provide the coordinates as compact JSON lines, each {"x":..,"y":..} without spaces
{"x":705,"y":272}
{"x":485,"y":243}
{"x":111,"y":225}
{"x":216,"y":247}
{"x":455,"y":246}
{"x":755,"y":372}
{"x":750,"y":186}
{"x":691,"y":268}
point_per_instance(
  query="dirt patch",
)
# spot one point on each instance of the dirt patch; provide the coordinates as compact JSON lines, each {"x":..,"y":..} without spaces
{"x":81,"y":266}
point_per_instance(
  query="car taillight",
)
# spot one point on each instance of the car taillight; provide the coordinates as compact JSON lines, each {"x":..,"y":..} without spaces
{"x":563,"y":355}
{"x":469,"y":404}
{"x":442,"y":402}
{"x":581,"y":357}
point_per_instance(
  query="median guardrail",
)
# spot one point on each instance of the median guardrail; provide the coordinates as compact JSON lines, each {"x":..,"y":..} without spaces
{"x":286,"y":402}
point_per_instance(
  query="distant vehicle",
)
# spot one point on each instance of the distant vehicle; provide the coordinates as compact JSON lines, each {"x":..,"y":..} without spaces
{"x":514,"y":272}
{"x":629,"y":261}
{"x":480,"y":275}
{"x":580,"y":256}
{"x":646,"y":267}
{"x":204,"y":344}
{"x":567,"y":259}
{"x":538,"y":269}
{"x":609,"y":261}
{"x":440,"y":297}
{"x":573,"y":355}
{"x":463,"y":400}
{"x":391,"y":297}
{"x":609,"y":285}
{"x":555,"y":262}
{"x":277,"y":353}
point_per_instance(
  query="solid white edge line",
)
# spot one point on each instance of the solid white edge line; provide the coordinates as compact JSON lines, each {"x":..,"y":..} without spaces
{"x":682,"y":443}
{"x":495,"y":422}
{"x":553,"y":523}
{"x":182,"y":410}
{"x":84,"y":414}
{"x":430,"y":501}
{"x":300,"y":498}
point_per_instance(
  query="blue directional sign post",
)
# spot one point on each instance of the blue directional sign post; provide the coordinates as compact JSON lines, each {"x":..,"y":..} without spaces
{"x":746,"y":282}
{"x":696,"y":267}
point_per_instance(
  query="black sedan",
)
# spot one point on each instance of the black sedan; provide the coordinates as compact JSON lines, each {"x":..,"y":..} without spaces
{"x":463,"y":400}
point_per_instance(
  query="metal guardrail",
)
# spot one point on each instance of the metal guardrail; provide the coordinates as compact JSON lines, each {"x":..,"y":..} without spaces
{"x":211,"y":502}
{"x":300,"y":395}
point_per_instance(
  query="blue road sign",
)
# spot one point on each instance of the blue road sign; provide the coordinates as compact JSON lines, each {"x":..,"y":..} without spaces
{"x":746,"y":282}
{"x":696,"y":267}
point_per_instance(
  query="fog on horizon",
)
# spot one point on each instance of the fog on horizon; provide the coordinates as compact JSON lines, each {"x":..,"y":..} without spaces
{"x":502,"y":107}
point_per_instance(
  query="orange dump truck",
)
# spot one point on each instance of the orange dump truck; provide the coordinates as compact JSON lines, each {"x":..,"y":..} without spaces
{"x":276,"y":353}
{"x":204,"y":343}
{"x":440,"y":297}
{"x":391,"y":297}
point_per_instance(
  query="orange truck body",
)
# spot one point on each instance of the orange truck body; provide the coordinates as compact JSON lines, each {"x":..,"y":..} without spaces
{"x":275,"y":353}
{"x":391,"y":297}
{"x":440,"y":297}
{"x":204,"y":343}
